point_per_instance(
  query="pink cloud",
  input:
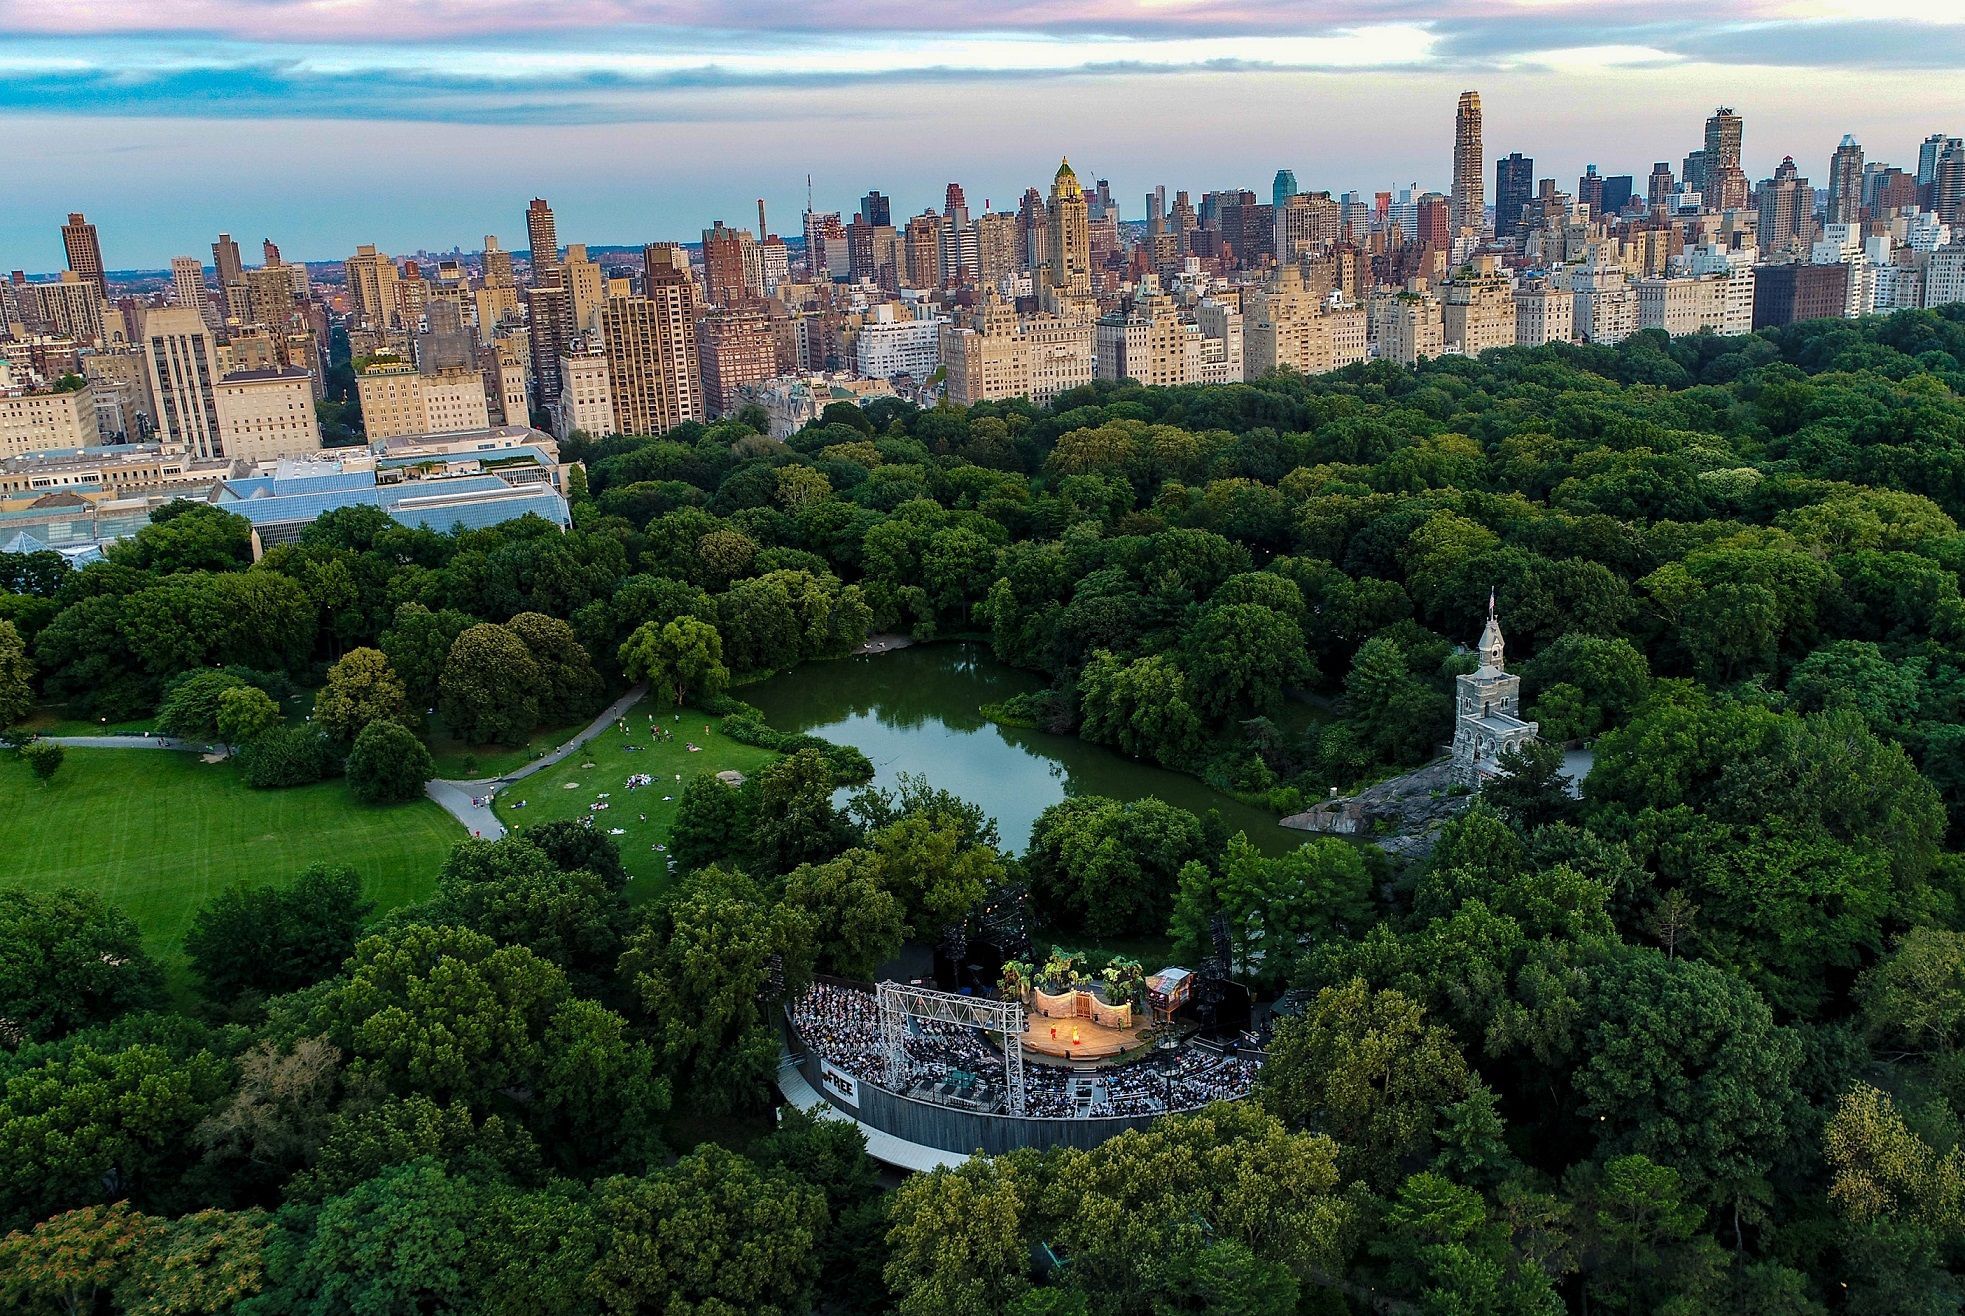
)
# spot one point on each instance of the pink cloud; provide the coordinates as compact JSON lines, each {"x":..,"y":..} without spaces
{"x":463,"y":20}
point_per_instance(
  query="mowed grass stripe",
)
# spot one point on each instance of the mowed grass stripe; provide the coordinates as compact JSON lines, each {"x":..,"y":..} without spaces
{"x":158,"y":833}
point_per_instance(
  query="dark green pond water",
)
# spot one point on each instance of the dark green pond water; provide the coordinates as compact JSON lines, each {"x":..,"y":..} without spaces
{"x":919,"y":710}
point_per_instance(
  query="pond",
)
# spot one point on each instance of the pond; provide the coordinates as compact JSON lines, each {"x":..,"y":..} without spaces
{"x":919,"y":710}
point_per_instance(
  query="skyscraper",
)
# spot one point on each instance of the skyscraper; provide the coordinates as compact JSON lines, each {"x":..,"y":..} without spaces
{"x":732,"y":267}
{"x":78,"y":236}
{"x":877,"y":210}
{"x":497,"y":264}
{"x":1433,"y":221}
{"x":1659,"y":191}
{"x":1467,"y":204}
{"x":231,"y":271}
{"x":372,"y":287}
{"x":1617,"y":192}
{"x":959,"y":260}
{"x":1846,"y":182}
{"x":1589,"y":190}
{"x":182,"y":362}
{"x":1948,"y":183}
{"x":1786,"y":210}
{"x":1068,"y":243}
{"x":1514,"y":187}
{"x":543,"y":235}
{"x":652,"y":372}
{"x":1928,"y":152}
{"x":1285,"y":186}
{"x":188,"y":284}
{"x":1726,"y":182}
{"x":549,"y":322}
{"x":1693,"y":171}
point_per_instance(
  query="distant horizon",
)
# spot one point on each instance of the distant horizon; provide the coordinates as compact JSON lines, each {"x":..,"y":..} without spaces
{"x":168,"y":121}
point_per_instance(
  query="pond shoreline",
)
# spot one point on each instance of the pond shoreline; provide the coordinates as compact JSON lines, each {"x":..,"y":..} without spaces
{"x":922,"y":712}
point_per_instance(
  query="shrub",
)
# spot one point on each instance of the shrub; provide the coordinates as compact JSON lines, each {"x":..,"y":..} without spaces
{"x":287,"y":756}
{"x":388,"y":764}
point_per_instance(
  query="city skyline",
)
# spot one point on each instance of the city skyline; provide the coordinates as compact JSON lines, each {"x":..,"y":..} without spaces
{"x":642,"y":131}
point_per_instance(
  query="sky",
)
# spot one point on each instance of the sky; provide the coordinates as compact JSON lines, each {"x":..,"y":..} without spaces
{"x":427,"y":124}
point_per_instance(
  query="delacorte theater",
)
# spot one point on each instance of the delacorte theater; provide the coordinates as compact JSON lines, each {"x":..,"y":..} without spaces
{"x":1053,"y":1055}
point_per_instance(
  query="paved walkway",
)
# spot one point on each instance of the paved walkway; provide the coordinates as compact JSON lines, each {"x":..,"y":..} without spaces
{"x":459,"y":798}
{"x":881,"y":1145}
{"x":135,"y":742}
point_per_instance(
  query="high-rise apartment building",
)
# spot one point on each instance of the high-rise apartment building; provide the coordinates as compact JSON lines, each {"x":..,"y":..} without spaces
{"x":181,"y":359}
{"x":1306,"y":224}
{"x":734,"y":347}
{"x":875,"y":254}
{"x":1784,"y":294}
{"x":1468,"y":201}
{"x":268,"y":297}
{"x":1589,"y":191}
{"x":586,"y":401}
{"x":399,"y":399}
{"x":1067,"y":247}
{"x":1725,"y":182}
{"x":372,"y":288}
{"x":1659,"y":188}
{"x":1544,"y":313}
{"x":1433,"y":221}
{"x":78,"y":239}
{"x":266,"y":414}
{"x":1948,"y":183}
{"x":1514,"y":188}
{"x":998,"y":354}
{"x":584,"y":284}
{"x":73,"y":305}
{"x":542,"y":234}
{"x":996,"y":246}
{"x":1286,"y":326}
{"x":653,"y":376}
{"x":733,"y":268}
{"x":1478,"y":307}
{"x":1407,"y":327}
{"x":188,"y":285}
{"x":1846,"y":183}
{"x":497,"y":264}
{"x":922,"y":244}
{"x":1928,"y":152}
{"x":958,"y":255}
{"x":226,"y":264}
{"x":1786,"y":205}
{"x":549,"y":323}
{"x":827,"y":256}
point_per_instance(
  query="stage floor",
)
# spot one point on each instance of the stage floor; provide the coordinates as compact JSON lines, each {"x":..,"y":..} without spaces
{"x":1077,"y":1039}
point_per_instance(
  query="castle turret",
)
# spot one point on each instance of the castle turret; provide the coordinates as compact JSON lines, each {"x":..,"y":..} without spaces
{"x":1487,"y":709}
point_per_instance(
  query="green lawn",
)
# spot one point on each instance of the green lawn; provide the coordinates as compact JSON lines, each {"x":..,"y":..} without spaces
{"x":566,"y":789}
{"x":458,"y":761}
{"x":158,"y":833}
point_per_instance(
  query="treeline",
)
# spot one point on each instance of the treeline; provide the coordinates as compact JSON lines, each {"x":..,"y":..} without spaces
{"x":1691,"y":1043}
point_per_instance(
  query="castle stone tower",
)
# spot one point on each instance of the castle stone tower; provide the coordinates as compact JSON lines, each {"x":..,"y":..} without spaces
{"x":1487,"y":710}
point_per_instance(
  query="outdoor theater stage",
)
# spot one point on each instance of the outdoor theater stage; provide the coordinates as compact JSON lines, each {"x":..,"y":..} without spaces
{"x":1077,"y":1039}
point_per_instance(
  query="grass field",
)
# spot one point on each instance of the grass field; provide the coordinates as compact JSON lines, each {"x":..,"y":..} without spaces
{"x":158,"y":833}
{"x":568,"y":788}
{"x":458,"y":761}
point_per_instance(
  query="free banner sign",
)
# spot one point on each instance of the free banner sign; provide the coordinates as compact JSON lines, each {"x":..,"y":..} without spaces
{"x":838,"y":1083}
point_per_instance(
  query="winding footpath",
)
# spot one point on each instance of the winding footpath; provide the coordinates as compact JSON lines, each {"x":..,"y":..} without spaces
{"x":456,"y":798}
